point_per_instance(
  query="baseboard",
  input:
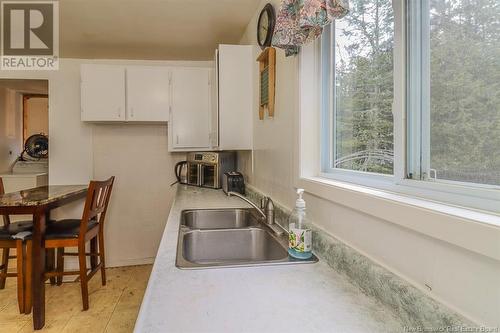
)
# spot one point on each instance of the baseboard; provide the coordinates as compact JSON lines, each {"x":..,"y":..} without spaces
{"x":130,"y":262}
{"x":73,"y":265}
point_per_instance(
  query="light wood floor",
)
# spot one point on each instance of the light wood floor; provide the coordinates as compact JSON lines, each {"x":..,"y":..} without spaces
{"x":113,"y":308}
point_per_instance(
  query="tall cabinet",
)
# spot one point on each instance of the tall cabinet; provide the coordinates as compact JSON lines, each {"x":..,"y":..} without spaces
{"x":235,"y":76}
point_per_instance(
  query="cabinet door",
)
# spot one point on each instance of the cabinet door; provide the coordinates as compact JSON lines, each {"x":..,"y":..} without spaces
{"x":147,"y":93}
{"x":236,"y":68}
{"x":103,"y":93}
{"x":190,"y":101}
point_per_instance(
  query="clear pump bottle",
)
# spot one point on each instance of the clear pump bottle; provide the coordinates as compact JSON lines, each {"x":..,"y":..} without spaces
{"x":300,"y":235}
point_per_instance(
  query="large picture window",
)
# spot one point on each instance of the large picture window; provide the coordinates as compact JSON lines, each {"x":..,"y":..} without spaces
{"x":410,"y":98}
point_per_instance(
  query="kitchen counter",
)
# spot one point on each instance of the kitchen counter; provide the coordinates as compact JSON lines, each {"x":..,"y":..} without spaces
{"x":291,"y":298}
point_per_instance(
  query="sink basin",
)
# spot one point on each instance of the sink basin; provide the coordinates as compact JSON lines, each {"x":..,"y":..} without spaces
{"x":218,"y":218}
{"x":210,"y":238}
{"x":231,"y":246}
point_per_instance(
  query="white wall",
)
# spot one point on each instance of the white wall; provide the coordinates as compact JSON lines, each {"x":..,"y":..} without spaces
{"x":136,"y":154}
{"x":465,"y":281}
{"x":11,"y":131}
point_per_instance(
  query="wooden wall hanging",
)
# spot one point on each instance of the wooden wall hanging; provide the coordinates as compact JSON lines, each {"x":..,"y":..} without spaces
{"x":267,"y":75}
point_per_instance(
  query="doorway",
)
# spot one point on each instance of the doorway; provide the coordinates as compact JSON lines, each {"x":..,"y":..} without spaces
{"x":35,"y":115}
{"x":23,"y":114}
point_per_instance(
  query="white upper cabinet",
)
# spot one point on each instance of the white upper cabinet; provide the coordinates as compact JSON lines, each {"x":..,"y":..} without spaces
{"x":147,"y":93}
{"x":235,"y":65}
{"x":126,"y":94}
{"x":207,"y":108}
{"x":103,"y":93}
{"x":190,"y":116}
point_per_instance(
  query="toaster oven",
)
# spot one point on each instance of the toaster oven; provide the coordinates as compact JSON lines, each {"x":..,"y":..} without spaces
{"x":205,"y":169}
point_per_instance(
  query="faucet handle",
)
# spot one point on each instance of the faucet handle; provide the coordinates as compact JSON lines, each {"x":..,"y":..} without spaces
{"x":263,"y":202}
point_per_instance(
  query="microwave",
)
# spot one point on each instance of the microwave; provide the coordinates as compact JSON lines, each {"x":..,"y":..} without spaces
{"x":206,"y":169}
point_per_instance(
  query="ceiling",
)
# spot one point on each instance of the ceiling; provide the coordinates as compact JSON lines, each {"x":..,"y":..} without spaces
{"x":151,"y":29}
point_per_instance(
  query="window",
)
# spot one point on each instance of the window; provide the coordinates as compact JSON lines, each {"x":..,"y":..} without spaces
{"x":357,"y":54}
{"x":454,"y":49}
{"x":410,"y":97}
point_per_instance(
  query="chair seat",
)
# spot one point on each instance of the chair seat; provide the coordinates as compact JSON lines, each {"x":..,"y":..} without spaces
{"x":7,"y":232}
{"x":69,"y":228}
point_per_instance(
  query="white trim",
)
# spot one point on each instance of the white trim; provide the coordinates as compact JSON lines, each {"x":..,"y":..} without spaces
{"x":399,"y":89}
{"x":473,"y":230}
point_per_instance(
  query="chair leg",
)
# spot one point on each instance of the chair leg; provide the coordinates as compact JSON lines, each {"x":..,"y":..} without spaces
{"x":28,"y":275}
{"x":20,"y":275}
{"x":60,"y":264}
{"x":101,"y":258}
{"x":82,"y":259}
{"x":50,"y":263}
{"x":5,"y":267}
{"x":93,"y":249}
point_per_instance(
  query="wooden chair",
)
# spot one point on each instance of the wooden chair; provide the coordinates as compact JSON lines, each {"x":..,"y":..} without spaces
{"x":77,"y":233}
{"x":8,"y":242}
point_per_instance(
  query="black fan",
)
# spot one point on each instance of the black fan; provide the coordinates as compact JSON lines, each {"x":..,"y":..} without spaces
{"x":36,"y":146}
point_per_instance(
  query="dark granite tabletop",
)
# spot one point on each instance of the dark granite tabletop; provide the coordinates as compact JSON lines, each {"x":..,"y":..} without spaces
{"x":40,"y":196}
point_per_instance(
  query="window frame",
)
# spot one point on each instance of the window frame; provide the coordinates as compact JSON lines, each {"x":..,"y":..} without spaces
{"x":411,"y":119}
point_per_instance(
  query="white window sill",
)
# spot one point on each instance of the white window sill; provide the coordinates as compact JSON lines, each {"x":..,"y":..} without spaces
{"x":470,"y":229}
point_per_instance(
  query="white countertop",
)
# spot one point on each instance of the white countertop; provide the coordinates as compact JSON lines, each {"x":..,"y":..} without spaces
{"x":290,"y":298}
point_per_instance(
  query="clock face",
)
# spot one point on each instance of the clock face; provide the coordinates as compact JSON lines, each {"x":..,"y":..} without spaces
{"x":265,"y":26}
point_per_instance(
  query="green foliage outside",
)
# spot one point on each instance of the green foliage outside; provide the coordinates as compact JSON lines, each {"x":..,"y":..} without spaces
{"x":464,"y":89}
{"x":364,"y":87}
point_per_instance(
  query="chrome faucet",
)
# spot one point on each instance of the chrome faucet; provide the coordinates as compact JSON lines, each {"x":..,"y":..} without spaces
{"x":266,"y":211}
{"x":236,"y":194}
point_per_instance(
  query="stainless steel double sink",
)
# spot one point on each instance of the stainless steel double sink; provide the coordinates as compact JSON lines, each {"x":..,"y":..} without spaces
{"x":211,"y":238}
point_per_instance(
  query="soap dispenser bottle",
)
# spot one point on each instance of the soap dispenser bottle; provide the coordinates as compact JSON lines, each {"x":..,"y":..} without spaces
{"x":300,"y":235}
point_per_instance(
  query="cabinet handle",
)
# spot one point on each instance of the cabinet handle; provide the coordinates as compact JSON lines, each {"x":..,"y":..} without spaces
{"x":132,"y":112}
{"x":177,"y":139}
{"x":119,"y":112}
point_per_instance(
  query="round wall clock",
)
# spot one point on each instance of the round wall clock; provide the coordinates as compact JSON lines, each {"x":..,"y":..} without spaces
{"x":265,"y":26}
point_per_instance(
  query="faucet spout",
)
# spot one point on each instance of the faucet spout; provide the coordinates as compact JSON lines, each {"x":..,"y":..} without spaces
{"x":236,"y":194}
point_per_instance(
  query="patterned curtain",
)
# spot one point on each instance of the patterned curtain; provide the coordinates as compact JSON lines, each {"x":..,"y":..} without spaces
{"x":302,"y":21}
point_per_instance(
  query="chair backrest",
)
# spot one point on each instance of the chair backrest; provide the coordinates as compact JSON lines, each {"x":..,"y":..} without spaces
{"x":6,"y":219}
{"x":96,"y":204}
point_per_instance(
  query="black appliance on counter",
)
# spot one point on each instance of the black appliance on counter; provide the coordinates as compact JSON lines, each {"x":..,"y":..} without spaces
{"x":233,"y":182}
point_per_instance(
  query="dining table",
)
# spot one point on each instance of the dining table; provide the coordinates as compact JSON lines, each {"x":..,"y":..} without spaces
{"x":39,"y":202}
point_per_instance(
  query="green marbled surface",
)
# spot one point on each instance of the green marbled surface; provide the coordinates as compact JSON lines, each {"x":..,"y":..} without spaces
{"x":412,"y":306}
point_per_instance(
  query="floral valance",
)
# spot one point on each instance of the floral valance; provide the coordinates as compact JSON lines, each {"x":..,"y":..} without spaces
{"x":302,"y":21}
